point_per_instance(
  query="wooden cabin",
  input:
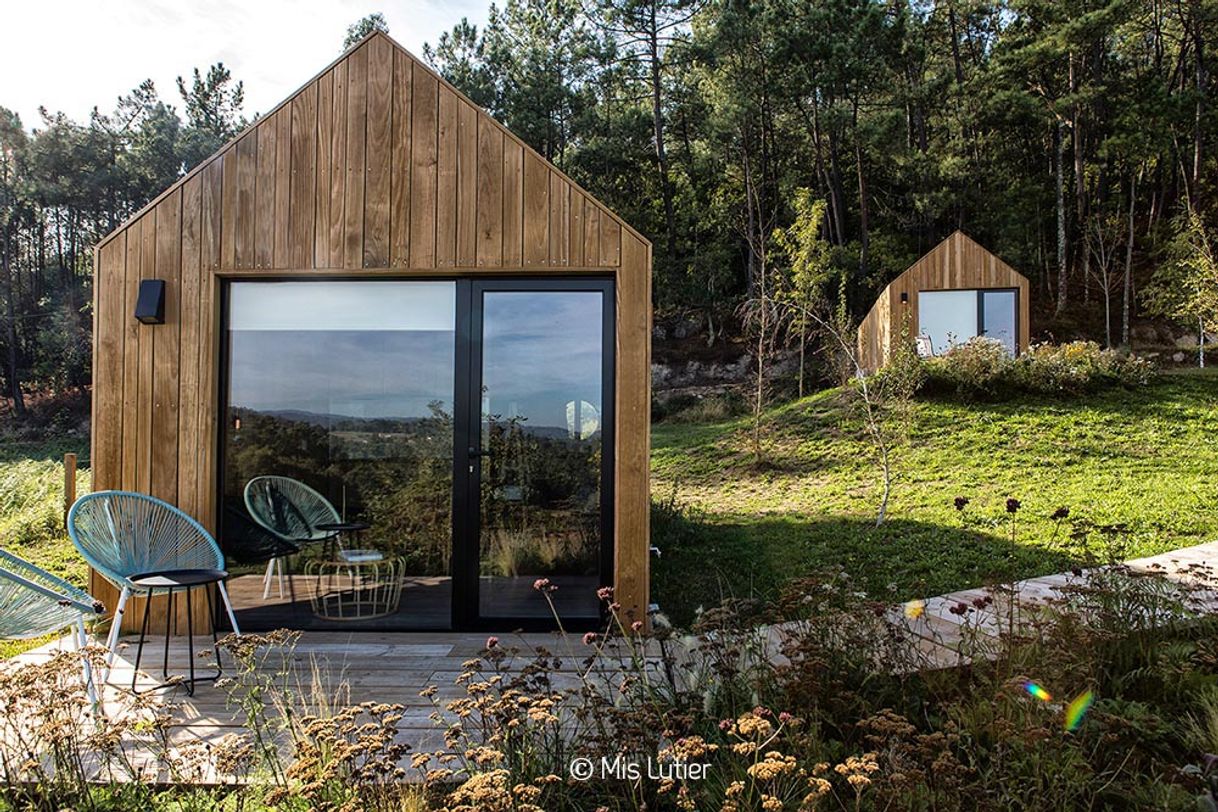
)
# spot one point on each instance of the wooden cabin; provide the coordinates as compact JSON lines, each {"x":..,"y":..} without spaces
{"x":379,"y":291}
{"x":957,"y":291}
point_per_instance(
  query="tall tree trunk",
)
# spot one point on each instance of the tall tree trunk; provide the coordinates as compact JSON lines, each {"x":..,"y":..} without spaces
{"x":835,"y":171}
{"x":1080,"y":179}
{"x":756,"y":241}
{"x":1199,"y":86}
{"x":1200,"y":342}
{"x":1059,"y":152}
{"x":1127,"y":287}
{"x":10,"y":332}
{"x":864,"y":214}
{"x":1107,"y":314}
{"x":657,"y":122}
{"x":951,"y":21}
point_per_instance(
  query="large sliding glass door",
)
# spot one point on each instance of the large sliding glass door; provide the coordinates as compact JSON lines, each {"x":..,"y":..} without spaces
{"x":467,"y":424}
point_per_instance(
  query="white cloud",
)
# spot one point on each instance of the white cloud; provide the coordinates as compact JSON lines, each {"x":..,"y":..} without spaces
{"x":73,"y":55}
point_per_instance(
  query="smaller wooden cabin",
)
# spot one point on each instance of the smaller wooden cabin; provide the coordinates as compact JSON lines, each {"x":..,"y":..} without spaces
{"x":957,"y":291}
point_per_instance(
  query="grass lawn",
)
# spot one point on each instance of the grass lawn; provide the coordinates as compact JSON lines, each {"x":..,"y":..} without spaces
{"x":1146,"y":459}
{"x":31,"y":512}
{"x":31,"y":504}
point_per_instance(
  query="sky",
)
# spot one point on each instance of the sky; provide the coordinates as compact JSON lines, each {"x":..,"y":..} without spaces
{"x":73,"y":55}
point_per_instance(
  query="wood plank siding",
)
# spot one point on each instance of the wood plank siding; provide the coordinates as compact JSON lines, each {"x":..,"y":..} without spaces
{"x":957,"y":263}
{"x":376,"y":167}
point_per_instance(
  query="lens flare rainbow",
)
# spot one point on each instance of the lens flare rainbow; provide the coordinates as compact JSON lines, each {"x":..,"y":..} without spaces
{"x":1036,"y":691}
{"x":1077,"y":709}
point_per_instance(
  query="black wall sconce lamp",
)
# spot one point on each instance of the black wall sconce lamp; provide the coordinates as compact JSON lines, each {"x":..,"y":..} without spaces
{"x":904,"y":297}
{"x":150,"y":305}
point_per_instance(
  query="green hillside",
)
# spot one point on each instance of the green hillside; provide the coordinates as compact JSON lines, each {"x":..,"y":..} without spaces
{"x":1138,"y":470}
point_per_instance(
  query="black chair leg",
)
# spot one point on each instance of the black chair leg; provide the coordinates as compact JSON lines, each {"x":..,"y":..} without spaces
{"x":170,"y":625}
{"x":190,"y":645}
{"x":139,"y":649}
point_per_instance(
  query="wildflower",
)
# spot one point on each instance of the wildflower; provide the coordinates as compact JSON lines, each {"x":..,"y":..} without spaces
{"x":1013,"y":506}
{"x":590,"y":638}
{"x":544,"y":585}
{"x":605,"y":593}
{"x":961,"y":502}
{"x":637,"y":626}
{"x":819,"y":787}
{"x":1061,"y":513}
{"x":492,"y":641}
{"x":772,"y":766}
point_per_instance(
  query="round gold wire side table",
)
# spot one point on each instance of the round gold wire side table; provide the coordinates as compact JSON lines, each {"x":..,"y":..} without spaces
{"x":355,"y":590}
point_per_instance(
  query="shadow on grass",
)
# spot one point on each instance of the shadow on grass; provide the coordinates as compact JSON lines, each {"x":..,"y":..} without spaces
{"x":701,"y":564}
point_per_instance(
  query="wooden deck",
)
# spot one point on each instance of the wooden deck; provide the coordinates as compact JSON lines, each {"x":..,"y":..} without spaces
{"x":393,"y":667}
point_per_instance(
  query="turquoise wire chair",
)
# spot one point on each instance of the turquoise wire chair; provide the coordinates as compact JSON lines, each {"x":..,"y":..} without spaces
{"x":33,"y":602}
{"x":123,"y":534}
{"x":292,"y":511}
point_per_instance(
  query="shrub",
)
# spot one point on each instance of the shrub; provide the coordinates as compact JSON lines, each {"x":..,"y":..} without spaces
{"x":1078,"y":367}
{"x":714,"y":407}
{"x":982,"y":368}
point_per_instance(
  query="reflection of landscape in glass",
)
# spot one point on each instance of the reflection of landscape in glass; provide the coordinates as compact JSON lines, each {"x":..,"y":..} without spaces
{"x":541,"y":407}
{"x":364,"y":416}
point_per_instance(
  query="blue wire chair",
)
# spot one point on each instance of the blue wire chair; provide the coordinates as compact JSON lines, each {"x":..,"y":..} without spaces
{"x":289,"y":508}
{"x":33,"y":602}
{"x":123,"y":534}
{"x":294,"y":512}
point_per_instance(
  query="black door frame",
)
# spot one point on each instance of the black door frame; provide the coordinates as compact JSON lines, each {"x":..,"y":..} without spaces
{"x":465,"y":537}
{"x":980,"y":307}
{"x":467,"y":437}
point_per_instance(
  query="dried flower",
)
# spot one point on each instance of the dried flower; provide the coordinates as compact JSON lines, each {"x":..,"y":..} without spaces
{"x":961,"y":502}
{"x":1013,"y":505}
{"x":1061,"y":513}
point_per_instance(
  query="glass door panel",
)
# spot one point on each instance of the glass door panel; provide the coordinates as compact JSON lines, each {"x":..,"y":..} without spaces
{"x":346,"y":387}
{"x":947,"y":317}
{"x":538,"y":455}
{"x":998,"y":317}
